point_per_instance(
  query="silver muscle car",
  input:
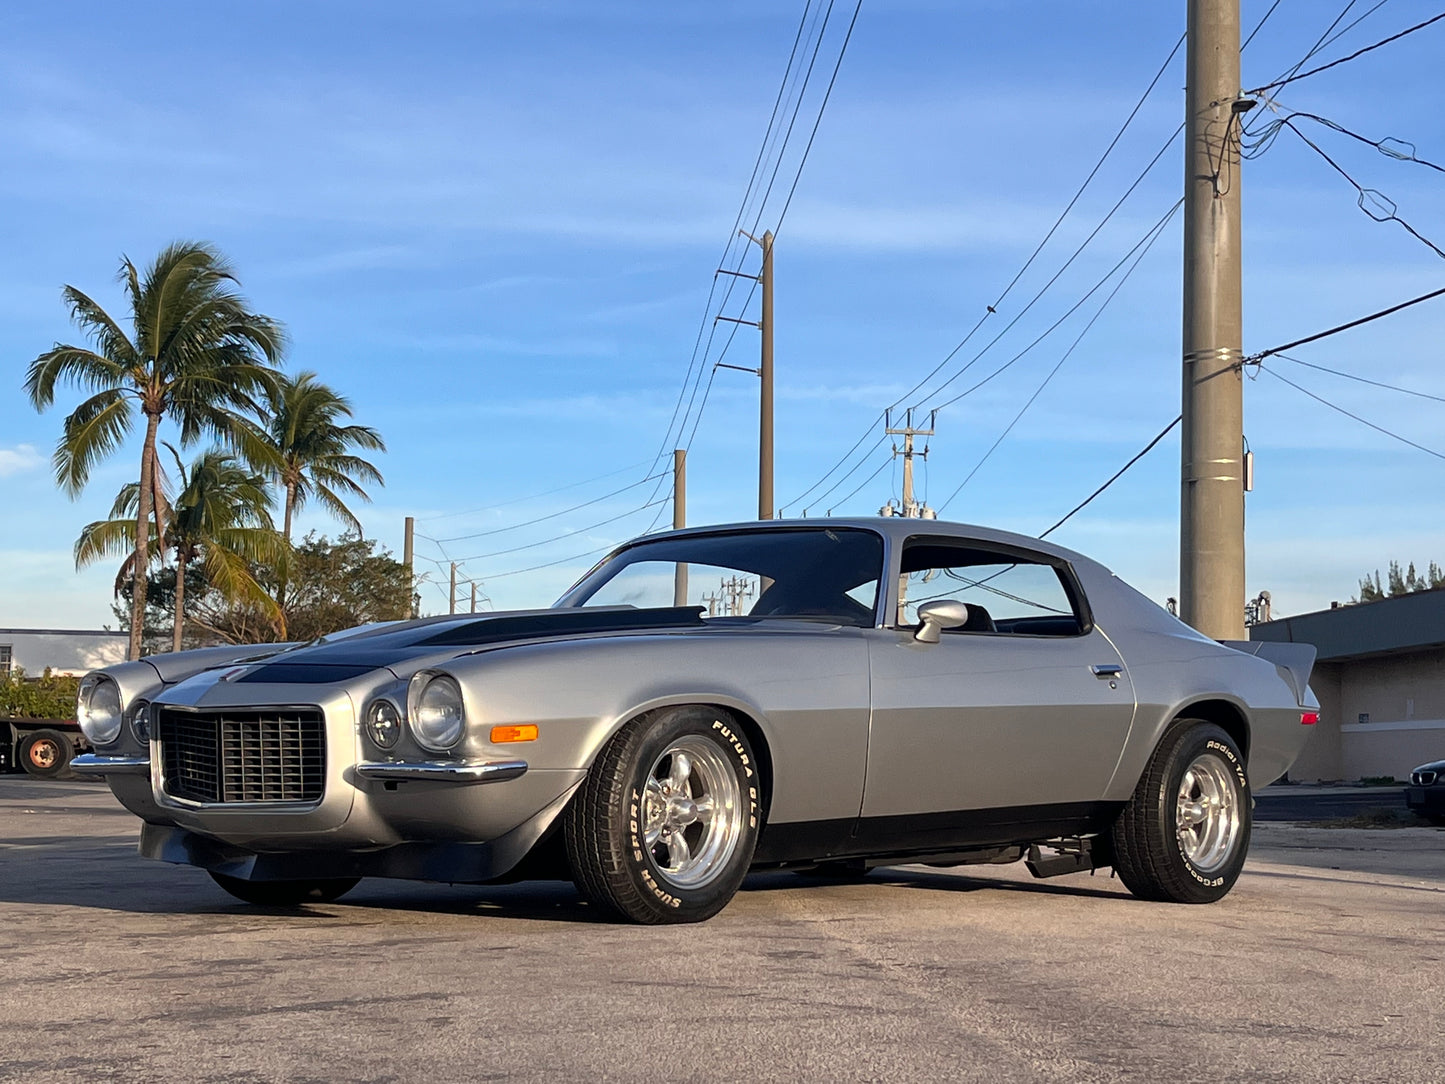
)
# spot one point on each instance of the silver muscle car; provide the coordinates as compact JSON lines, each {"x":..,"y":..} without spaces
{"x":822,"y":696}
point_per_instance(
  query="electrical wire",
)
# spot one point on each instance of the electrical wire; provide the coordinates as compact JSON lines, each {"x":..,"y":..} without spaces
{"x":1361,"y":379}
{"x":1115,"y":476}
{"x":1067,"y":313}
{"x":533,"y":496}
{"x":1381,"y":314}
{"x":569,"y":534}
{"x":733,"y":234}
{"x":865,"y":481}
{"x":1369,"y":197}
{"x":549,"y":516}
{"x":1345,"y":59}
{"x":1349,"y":414}
{"x":1158,"y":231}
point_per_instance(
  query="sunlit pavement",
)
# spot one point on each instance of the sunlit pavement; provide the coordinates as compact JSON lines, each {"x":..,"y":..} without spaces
{"x":1327,"y":962}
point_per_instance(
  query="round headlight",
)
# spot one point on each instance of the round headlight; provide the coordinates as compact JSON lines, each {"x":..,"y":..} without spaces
{"x":438,"y":720}
{"x":383,"y":723}
{"x":140,"y":721}
{"x":97,"y":710}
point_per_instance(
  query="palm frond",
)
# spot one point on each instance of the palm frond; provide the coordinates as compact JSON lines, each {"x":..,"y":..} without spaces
{"x":92,"y":431}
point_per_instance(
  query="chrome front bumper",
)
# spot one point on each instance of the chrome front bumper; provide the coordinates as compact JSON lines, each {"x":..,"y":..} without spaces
{"x":442,"y":771}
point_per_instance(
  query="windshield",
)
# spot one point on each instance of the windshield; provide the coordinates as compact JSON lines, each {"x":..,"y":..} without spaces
{"x":824,"y":573}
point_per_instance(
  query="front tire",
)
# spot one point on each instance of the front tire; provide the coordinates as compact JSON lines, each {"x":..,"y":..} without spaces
{"x":46,"y":754}
{"x":285,"y":893}
{"x":1184,"y":835}
{"x":663,"y":828}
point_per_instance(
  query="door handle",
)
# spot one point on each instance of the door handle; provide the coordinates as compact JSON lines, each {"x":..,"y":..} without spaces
{"x":1108,"y":670}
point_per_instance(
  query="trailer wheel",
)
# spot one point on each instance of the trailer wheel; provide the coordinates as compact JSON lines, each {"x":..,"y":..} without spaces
{"x":46,"y":754}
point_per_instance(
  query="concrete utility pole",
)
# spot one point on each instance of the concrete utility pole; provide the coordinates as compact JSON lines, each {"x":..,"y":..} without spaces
{"x":679,"y":520}
{"x":474,"y":596}
{"x":408,"y":547}
{"x":1211,"y":520}
{"x":911,"y":508}
{"x":452,"y":601}
{"x":764,"y":370}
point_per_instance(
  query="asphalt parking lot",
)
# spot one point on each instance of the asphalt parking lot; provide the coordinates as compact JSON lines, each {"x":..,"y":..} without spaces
{"x":1327,"y":962}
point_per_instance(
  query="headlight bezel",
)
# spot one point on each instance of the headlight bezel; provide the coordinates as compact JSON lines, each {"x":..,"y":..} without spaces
{"x":436,"y":735}
{"x":381,"y":733}
{"x":140,"y":721}
{"x":99,"y":729}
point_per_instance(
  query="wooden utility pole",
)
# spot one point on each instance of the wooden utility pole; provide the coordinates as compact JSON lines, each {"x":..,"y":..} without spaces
{"x":679,"y":520}
{"x":764,"y":370}
{"x":1211,"y":522}
{"x":765,"y":418}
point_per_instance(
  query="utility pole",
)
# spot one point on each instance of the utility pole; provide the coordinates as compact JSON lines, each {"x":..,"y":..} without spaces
{"x":679,"y":520}
{"x":911,"y":508}
{"x":764,"y":370}
{"x":474,"y":596}
{"x":452,"y":601}
{"x":1211,"y":520}
{"x":408,"y":548}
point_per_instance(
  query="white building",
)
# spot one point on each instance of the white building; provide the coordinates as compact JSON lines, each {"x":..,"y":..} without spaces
{"x":64,"y":651}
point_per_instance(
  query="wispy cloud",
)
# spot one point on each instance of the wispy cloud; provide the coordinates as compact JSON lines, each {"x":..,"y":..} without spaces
{"x":19,"y":459}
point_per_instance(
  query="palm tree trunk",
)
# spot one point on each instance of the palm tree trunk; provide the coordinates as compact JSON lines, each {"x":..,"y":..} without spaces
{"x":142,"y":537}
{"x":286,"y":533}
{"x":180,"y":622}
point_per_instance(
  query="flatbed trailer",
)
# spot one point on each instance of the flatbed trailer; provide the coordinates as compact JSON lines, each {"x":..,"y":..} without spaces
{"x":41,"y":747}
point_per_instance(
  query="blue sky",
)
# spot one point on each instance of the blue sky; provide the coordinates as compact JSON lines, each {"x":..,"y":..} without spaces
{"x":494,"y":226}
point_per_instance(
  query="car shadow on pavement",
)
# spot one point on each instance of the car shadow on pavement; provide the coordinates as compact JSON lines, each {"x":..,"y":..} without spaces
{"x":914,"y":877}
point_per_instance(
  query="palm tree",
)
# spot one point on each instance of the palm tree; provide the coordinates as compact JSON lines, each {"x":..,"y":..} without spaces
{"x":196,"y":354}
{"x":304,"y":449}
{"x":221,"y":518}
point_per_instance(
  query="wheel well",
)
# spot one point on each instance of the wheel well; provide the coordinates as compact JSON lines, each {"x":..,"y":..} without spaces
{"x":749,"y":726}
{"x":1224,"y":715}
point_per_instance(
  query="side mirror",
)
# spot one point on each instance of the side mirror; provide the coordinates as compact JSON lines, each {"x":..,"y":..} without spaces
{"x":934,"y":617}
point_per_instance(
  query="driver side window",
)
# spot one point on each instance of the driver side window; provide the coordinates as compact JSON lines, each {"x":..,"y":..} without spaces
{"x":1005,"y":592}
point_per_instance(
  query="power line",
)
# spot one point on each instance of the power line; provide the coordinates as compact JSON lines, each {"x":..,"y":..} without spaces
{"x":1115,"y":477}
{"x":732,"y":235}
{"x":533,"y":496}
{"x":1158,"y":231}
{"x":821,"y":497}
{"x":1272,"y":351}
{"x":1344,"y":59}
{"x":887,"y":462}
{"x":543,"y":519}
{"x":1260,"y":25}
{"x":1067,"y":313}
{"x":992,"y":309}
{"x":561,"y":537}
{"x":1348,"y":414}
{"x":1361,"y":379}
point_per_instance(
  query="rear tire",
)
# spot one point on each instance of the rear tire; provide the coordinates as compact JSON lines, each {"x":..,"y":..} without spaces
{"x":46,"y":754}
{"x":1184,"y":835}
{"x":285,"y":893}
{"x":663,"y":828}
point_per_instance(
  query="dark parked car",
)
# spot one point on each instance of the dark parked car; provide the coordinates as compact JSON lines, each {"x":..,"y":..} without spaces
{"x":1426,"y":793}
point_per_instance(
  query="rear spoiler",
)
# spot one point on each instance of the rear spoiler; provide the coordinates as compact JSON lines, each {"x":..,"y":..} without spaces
{"x":1296,"y":660}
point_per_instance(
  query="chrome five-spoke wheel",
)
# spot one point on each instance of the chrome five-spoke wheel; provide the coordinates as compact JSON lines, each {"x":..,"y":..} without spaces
{"x":663,"y":827}
{"x":1207,"y":817}
{"x":691,"y":812}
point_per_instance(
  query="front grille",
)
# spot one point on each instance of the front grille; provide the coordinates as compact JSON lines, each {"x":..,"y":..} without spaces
{"x":277,"y":755}
{"x":1423,"y":779}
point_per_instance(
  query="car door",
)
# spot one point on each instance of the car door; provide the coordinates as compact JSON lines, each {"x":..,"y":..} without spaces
{"x":1026,"y":706}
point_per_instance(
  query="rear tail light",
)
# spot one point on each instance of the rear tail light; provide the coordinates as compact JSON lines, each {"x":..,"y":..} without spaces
{"x":1309,"y":718}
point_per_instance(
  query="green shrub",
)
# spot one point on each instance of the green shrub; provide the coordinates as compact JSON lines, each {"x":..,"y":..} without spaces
{"x":50,"y":696}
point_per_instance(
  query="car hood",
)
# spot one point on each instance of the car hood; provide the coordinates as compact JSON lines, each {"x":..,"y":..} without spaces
{"x":361,"y":653}
{"x":1433,"y":766}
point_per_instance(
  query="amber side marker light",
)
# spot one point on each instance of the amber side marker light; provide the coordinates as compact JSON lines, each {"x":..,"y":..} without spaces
{"x":503,"y":734}
{"x":1306,"y":718}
